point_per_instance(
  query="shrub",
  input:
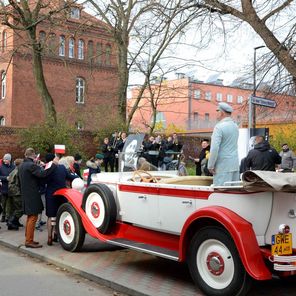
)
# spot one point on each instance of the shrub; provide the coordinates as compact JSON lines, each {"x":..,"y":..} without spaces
{"x":44,"y":136}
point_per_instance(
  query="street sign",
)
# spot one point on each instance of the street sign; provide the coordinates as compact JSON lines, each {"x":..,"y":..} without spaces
{"x":263,"y":102}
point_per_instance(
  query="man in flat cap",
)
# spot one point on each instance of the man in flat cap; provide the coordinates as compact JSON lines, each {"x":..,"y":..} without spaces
{"x":223,"y":162}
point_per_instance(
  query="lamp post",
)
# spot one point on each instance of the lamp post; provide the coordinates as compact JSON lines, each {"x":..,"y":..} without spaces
{"x":252,"y":107}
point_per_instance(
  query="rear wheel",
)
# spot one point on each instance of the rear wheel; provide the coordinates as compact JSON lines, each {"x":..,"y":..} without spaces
{"x":70,"y":230}
{"x":215,"y":265}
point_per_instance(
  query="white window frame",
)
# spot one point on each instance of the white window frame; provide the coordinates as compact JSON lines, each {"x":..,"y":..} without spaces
{"x":207,"y":117}
{"x":71,"y":48}
{"x":208,"y":95}
{"x":62,"y":47}
{"x":240,"y":99}
{"x":196,"y":93}
{"x":75,"y":13}
{"x":80,"y":90}
{"x":2,"y":121}
{"x":80,"y":49}
{"x":3,"y":85}
{"x":229,"y":98}
{"x":219,"y":97}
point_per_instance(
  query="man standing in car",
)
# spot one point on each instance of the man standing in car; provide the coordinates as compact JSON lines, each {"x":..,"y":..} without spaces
{"x":223,"y":162}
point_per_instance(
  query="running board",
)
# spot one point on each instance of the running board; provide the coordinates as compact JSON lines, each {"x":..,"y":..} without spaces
{"x":145,"y":248}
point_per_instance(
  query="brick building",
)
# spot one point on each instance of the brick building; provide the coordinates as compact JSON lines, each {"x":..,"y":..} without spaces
{"x":191,"y":105}
{"x":80,"y":70}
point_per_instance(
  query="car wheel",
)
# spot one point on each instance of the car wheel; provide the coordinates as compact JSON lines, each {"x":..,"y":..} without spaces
{"x":100,"y":207}
{"x":215,"y":265}
{"x":70,"y":230}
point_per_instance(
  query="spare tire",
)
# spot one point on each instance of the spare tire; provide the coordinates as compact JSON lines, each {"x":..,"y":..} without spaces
{"x":100,"y":207}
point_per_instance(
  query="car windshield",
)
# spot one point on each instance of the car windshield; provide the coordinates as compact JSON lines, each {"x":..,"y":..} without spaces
{"x":132,"y":161}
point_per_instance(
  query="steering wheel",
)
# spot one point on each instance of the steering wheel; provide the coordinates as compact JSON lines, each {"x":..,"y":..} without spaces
{"x":144,"y":177}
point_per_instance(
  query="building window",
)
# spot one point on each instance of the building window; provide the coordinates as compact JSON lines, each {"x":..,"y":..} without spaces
{"x":219,"y":97}
{"x":42,"y":37}
{"x":71,"y":47}
{"x":90,"y":51}
{"x":80,"y":49}
{"x":229,"y":98}
{"x":195,"y":116}
{"x":4,"y":40}
{"x":160,"y":119}
{"x":196,"y":94}
{"x":62,"y":46}
{"x":99,"y":53}
{"x":239,"y":118}
{"x":240,"y":99}
{"x":52,"y":44}
{"x":80,"y":90}
{"x":75,"y":13}
{"x":108,"y":55}
{"x":207,"y":117}
{"x":3,"y":85}
{"x":2,"y":120}
{"x":79,"y":125}
{"x":208,"y":95}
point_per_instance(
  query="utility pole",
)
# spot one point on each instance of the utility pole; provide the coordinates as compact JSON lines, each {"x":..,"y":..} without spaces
{"x":252,"y":107}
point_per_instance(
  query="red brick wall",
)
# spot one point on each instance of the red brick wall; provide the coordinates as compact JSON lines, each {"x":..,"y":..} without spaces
{"x":10,"y":142}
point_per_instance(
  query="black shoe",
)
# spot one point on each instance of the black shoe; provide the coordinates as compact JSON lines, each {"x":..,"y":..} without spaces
{"x":12,"y":227}
{"x":55,"y":238}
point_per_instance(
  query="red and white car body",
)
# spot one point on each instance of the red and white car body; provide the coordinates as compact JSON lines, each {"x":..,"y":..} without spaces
{"x":224,"y":234}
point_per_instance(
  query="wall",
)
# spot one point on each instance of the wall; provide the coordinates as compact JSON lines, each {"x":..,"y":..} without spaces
{"x":10,"y":142}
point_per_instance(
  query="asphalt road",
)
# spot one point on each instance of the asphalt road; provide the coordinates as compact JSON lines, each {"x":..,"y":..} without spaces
{"x":23,"y":275}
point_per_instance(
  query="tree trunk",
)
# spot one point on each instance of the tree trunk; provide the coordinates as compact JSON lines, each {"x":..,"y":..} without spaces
{"x":123,"y":76}
{"x":46,"y":98}
{"x":136,"y":104}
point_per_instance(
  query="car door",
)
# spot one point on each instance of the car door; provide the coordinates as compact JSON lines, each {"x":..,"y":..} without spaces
{"x":139,"y":203}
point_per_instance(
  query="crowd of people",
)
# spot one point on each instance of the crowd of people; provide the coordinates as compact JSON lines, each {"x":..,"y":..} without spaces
{"x":25,"y":181}
{"x":28,"y":185}
{"x":157,"y":150}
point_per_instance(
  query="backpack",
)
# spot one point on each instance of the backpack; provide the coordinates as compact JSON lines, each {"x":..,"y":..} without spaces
{"x":14,"y":188}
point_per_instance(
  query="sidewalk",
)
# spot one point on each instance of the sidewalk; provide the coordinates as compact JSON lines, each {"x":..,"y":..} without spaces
{"x":126,"y":271}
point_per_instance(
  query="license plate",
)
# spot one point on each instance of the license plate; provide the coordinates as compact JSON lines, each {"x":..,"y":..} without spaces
{"x":281,"y":244}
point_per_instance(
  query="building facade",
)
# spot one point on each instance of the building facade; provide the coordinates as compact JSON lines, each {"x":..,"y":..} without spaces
{"x":191,"y":105}
{"x":80,"y":69}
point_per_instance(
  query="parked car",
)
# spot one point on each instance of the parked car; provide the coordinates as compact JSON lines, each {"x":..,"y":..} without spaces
{"x":228,"y":235}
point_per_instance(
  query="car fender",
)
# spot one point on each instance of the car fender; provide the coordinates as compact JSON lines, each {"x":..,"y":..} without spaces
{"x":75,"y":199}
{"x":239,"y":229}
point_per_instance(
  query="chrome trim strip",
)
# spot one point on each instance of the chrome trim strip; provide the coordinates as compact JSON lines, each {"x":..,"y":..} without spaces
{"x":144,"y":250}
{"x":284,"y":259}
{"x":280,"y":267}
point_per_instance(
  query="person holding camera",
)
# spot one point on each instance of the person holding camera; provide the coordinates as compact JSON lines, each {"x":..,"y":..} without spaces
{"x":108,"y":152}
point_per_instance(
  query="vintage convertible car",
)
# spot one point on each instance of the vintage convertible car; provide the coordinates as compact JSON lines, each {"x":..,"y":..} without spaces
{"x":228,"y":235}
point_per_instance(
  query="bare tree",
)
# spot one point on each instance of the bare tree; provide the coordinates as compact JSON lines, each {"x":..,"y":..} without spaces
{"x":24,"y":16}
{"x":273,"y":21}
{"x":139,"y":26}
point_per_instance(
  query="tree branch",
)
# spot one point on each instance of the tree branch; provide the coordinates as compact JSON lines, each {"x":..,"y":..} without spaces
{"x":276,"y":10}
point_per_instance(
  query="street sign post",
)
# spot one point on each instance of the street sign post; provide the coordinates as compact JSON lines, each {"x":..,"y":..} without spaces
{"x":263,"y":102}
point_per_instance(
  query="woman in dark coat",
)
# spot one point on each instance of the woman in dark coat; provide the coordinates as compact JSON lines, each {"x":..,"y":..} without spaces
{"x":30,"y":174}
{"x":56,"y":180}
